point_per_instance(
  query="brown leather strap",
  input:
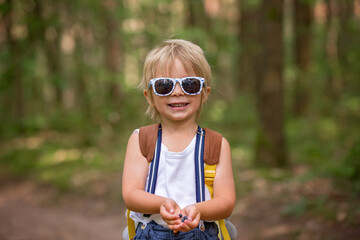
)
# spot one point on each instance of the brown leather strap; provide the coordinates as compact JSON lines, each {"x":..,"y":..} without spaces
{"x":147,"y":140}
{"x":148,"y":136}
{"x":212,"y":146}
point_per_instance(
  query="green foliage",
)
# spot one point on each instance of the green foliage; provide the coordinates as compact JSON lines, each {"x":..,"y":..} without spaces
{"x":235,"y":119}
{"x":251,"y":4}
{"x":296,"y":209}
{"x":303,"y":205}
{"x":274,"y":174}
{"x":349,"y":167}
{"x":65,"y":160}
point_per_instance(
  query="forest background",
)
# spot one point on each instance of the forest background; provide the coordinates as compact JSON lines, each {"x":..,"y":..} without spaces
{"x":285,"y":93}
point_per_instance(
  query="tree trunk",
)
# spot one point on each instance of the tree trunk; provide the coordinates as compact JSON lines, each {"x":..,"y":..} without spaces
{"x":14,"y":70}
{"x":81,"y":88}
{"x":270,"y":144}
{"x":332,"y":27}
{"x":113,"y":49}
{"x":50,"y":45}
{"x":249,"y":47}
{"x":348,"y":41}
{"x":303,"y":20}
{"x":196,"y":15}
{"x":342,"y":39}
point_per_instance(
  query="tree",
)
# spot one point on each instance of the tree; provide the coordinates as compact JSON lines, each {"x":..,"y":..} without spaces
{"x":348,"y":44}
{"x":196,"y":15}
{"x":266,"y":67}
{"x":249,"y":49}
{"x":342,"y":46}
{"x":13,"y":70}
{"x":303,"y":20}
{"x":114,"y":56}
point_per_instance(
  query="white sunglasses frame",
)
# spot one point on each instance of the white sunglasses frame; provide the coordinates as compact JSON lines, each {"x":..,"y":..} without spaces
{"x":176,"y":80}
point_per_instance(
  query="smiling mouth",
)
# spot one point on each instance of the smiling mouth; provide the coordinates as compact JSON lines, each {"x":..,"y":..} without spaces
{"x":178,"y":105}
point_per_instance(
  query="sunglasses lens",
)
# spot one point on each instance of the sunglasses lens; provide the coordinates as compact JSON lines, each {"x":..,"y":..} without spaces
{"x":191,"y":85}
{"x":163,"y":86}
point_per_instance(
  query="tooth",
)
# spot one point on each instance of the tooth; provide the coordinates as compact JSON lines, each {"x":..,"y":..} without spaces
{"x":178,"y":104}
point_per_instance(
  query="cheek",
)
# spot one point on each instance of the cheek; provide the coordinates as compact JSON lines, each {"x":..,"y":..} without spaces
{"x":158,"y":101}
{"x":198,"y":100}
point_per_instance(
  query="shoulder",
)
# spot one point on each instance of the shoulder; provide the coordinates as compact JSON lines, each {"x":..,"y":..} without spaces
{"x":144,"y":132}
{"x":134,"y":138}
{"x":225,"y":145}
{"x":225,"y":153}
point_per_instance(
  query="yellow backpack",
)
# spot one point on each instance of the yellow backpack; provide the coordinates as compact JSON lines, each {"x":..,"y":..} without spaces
{"x":207,"y":150}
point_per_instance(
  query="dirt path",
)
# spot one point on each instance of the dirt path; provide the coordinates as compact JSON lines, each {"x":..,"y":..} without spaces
{"x":32,"y":212}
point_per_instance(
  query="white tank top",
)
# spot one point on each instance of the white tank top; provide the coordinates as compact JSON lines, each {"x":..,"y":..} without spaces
{"x":175,"y":180}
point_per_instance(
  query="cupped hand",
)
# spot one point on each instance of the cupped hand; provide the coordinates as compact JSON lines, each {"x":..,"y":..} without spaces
{"x":193,"y":218}
{"x":169,"y":211}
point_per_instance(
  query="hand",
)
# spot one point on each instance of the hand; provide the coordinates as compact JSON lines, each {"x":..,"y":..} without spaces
{"x":193,"y":218}
{"x":169,"y":211}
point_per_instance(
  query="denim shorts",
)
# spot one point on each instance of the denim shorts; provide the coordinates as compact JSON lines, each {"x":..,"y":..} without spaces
{"x":155,"y":231}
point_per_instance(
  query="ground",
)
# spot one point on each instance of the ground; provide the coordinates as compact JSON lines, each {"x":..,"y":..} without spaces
{"x":30,"y":211}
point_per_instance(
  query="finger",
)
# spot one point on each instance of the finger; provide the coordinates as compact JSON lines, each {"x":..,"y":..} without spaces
{"x":184,"y":227}
{"x":169,"y":206}
{"x":170,"y":219}
{"x":175,"y":228}
{"x":193,"y":216}
{"x":168,"y":215}
{"x":191,"y":222}
{"x":173,"y":222}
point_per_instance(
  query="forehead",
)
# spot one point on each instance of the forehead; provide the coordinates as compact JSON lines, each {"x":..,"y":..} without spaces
{"x":174,"y":66}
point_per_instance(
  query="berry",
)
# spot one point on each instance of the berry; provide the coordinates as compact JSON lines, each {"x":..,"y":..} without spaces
{"x":184,"y":218}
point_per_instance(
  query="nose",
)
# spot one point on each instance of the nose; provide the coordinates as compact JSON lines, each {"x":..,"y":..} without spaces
{"x":177,"y":90}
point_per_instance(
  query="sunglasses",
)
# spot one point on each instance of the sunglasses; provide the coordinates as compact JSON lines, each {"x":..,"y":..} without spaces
{"x":165,"y":86}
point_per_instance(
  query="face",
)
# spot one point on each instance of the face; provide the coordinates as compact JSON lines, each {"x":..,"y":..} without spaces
{"x":178,"y":106}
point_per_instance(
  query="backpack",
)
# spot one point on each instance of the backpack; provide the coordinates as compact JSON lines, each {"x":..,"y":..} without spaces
{"x":209,"y":143}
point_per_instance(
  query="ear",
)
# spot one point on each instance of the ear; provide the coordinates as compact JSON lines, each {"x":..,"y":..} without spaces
{"x":207,"y":91}
{"x":148,"y":98}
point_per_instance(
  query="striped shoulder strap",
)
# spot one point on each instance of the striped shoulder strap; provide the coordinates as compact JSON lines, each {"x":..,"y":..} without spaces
{"x":199,"y":170}
{"x":154,"y":164}
{"x":205,"y":174}
{"x":198,"y":162}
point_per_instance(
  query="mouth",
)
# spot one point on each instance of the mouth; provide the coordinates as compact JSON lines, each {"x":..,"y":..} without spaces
{"x":178,"y":105}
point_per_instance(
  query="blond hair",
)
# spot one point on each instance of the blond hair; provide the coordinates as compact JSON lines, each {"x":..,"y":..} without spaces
{"x":161,"y":59}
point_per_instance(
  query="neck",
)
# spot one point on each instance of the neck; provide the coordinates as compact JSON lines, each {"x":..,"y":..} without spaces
{"x":178,"y":135}
{"x":184,"y":126}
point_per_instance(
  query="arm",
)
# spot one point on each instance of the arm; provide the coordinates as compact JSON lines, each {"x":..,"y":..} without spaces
{"x":221,"y":206}
{"x":133,"y":185}
{"x":134,"y":180}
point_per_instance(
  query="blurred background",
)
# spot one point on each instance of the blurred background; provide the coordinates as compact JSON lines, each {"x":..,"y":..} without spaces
{"x":285,"y":93}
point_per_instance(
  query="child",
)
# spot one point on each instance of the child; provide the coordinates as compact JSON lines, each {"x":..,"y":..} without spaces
{"x":176,"y":82}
